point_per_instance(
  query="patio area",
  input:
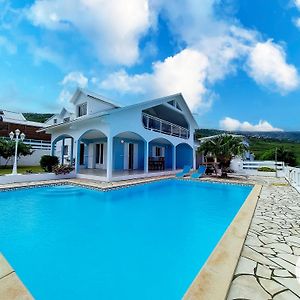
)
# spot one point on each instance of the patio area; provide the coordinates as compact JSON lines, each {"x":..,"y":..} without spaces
{"x":267,"y":266}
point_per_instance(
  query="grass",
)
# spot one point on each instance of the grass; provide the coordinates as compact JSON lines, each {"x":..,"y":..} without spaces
{"x":259,"y":146}
{"x":21,"y":169}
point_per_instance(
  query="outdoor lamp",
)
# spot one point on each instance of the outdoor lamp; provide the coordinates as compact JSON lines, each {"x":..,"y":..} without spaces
{"x":17,"y":131}
{"x":11,"y":135}
{"x":22,"y":136}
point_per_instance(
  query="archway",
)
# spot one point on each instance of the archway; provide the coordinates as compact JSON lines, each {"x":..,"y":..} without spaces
{"x":63,"y":147}
{"x":128,"y":152}
{"x":160,"y":154}
{"x":184,"y":155}
{"x":92,"y":151}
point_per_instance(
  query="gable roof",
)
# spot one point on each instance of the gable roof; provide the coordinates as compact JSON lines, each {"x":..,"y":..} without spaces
{"x":92,"y":95}
{"x":142,"y":105}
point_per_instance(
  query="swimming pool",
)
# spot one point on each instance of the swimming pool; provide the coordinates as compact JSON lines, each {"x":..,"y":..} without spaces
{"x":141,"y":242}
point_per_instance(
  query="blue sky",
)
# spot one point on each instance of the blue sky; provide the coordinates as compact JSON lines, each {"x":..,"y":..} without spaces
{"x":236,"y":62}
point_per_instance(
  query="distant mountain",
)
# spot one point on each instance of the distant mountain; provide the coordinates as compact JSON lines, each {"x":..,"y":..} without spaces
{"x":292,"y":136}
{"x":37,"y":117}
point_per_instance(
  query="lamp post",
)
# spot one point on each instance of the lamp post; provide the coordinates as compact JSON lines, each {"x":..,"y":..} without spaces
{"x":22,"y":136}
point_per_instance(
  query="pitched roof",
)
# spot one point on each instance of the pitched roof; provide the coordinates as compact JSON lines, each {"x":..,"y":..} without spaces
{"x":92,"y":95}
{"x":142,"y":105}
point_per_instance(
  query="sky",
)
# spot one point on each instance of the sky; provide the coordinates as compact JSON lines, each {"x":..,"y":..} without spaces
{"x":236,"y":63}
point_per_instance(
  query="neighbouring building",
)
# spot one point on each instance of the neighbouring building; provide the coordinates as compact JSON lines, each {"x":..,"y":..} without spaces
{"x":107,"y":141}
{"x":39,"y":141}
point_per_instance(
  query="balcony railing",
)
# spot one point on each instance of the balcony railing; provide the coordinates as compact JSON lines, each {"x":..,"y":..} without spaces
{"x":159,"y":125}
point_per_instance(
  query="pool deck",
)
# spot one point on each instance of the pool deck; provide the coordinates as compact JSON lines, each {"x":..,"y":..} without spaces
{"x":266,"y":267}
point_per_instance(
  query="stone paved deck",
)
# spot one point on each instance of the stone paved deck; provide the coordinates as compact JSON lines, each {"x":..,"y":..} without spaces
{"x":267,"y":266}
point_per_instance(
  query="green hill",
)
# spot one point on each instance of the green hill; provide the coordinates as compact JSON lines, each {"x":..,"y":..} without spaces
{"x":37,"y":117}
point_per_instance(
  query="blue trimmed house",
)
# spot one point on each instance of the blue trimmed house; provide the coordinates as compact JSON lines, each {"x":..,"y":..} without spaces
{"x":106,"y":141}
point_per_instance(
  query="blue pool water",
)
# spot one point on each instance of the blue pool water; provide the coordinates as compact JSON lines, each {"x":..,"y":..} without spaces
{"x":143,"y":242}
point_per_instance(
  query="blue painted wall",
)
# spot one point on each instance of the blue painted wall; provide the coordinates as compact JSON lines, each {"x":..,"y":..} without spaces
{"x":118,"y":153}
{"x":184,"y":156}
{"x":168,"y":153}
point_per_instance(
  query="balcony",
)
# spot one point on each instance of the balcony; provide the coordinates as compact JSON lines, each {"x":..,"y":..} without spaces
{"x":165,"y":127}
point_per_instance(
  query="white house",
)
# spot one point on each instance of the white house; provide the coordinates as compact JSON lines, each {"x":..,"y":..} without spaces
{"x":110,"y":142}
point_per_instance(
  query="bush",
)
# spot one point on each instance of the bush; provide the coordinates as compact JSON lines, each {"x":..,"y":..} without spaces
{"x":266,"y":169}
{"x":62,"y":169}
{"x":47,"y":162}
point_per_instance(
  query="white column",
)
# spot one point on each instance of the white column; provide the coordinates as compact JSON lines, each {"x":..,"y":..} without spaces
{"x":109,"y":158}
{"x":62,"y":151}
{"x":194,"y":158}
{"x":77,"y":155}
{"x":174,"y":157}
{"x":146,"y":156}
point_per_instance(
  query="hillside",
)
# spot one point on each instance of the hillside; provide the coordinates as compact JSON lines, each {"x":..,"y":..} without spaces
{"x":37,"y":117}
{"x":260,"y":142}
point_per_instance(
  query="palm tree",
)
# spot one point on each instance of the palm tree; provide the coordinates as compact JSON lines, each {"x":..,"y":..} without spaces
{"x":224,"y":147}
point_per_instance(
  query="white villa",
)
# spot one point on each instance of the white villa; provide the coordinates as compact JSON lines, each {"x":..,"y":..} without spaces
{"x":106,"y":141}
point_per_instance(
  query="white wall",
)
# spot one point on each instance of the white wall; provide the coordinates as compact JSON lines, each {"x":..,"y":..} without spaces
{"x":6,"y":179}
{"x":292,"y":175}
{"x":29,"y":160}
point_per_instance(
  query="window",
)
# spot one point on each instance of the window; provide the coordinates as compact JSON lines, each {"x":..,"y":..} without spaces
{"x":67,"y":119}
{"x":66,"y":150}
{"x":55,"y":121}
{"x":82,"y":109}
{"x":157,"y":151}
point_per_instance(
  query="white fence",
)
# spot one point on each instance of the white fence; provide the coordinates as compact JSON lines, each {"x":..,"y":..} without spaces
{"x":292,"y":175}
{"x":251,"y":168}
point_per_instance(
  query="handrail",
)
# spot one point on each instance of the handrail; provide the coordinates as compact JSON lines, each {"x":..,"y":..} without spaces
{"x":175,"y":130}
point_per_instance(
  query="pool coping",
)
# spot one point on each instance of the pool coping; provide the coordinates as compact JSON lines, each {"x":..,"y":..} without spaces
{"x":11,"y":287}
{"x":214,"y":278}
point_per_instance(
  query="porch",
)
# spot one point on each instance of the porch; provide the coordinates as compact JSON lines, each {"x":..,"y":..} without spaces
{"x":126,"y":155}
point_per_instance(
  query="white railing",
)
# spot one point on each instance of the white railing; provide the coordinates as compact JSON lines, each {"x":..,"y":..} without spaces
{"x":163,"y":126}
{"x":254,"y":165}
{"x":292,"y":175}
{"x":36,"y":144}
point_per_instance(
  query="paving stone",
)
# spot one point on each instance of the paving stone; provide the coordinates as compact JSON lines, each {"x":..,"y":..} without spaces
{"x":271,"y":286}
{"x":279,"y":247}
{"x":291,"y":283}
{"x":282,"y":273}
{"x":263,"y":271}
{"x":255,"y":256}
{"x":286,"y":295}
{"x":246,"y":286}
{"x":245,"y":266}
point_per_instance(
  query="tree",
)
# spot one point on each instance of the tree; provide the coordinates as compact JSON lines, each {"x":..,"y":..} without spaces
{"x":224,"y":147}
{"x":283,"y":154}
{"x":7,"y":149}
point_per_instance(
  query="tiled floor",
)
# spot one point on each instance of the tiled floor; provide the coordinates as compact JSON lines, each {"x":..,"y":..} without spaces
{"x":267,"y":266}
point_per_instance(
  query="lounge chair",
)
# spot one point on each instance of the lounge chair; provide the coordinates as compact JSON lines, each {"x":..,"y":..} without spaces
{"x":184,"y":172}
{"x":199,"y":173}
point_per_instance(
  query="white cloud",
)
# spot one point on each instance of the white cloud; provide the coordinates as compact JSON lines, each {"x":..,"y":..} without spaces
{"x":235,"y":125}
{"x":112,"y":27}
{"x":70,"y":82}
{"x":8,"y":46}
{"x":184,"y":72}
{"x":75,"y":78}
{"x":267,"y":66}
{"x":297,"y":3}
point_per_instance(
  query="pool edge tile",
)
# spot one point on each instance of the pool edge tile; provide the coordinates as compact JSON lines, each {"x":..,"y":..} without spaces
{"x":11,"y":287}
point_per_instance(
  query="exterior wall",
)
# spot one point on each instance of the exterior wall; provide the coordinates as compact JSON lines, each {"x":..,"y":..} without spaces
{"x":184,"y":155}
{"x":30,"y":160}
{"x":118,"y":153}
{"x":168,"y":153}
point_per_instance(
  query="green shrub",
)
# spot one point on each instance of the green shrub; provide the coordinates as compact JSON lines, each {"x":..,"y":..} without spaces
{"x":47,"y":162}
{"x":266,"y":169}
